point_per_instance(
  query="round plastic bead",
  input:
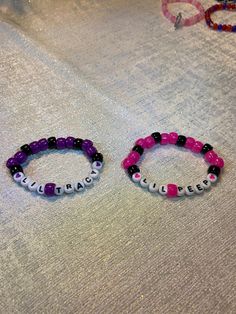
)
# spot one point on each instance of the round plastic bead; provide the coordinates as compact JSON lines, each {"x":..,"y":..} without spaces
{"x":181,"y":140}
{"x":59,"y":190}
{"x":172,"y":190}
{"x":20,"y":157}
{"x":97,"y":165}
{"x":164,"y":139}
{"x":79,"y":186}
{"x":40,"y":189}
{"x":153,"y":188}
{"x":189,"y":190}
{"x":49,"y":189}
{"x":69,"y":188}
{"x":88,"y":181}
{"x":197,"y":147}
{"x":180,"y":191}
{"x":149,"y":142}
{"x":136,"y":177}
{"x":18,"y":176}
{"x":190,"y":141}
{"x":94,"y":174}
{"x":173,"y":137}
{"x":26,"y":149}
{"x":24,"y":181}
{"x":198,"y":188}
{"x":212,"y":177}
{"x":61,"y":143}
{"x":143,"y":182}
{"x":163,"y":190}
{"x":219,"y":162}
{"x":32,"y":186}
{"x":43,"y":144}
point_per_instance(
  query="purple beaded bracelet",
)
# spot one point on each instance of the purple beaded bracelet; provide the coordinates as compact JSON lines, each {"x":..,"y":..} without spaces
{"x":51,"y":189}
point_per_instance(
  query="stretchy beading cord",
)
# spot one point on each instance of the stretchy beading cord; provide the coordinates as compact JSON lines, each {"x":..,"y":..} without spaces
{"x":220,"y":27}
{"x":173,"y":190}
{"x":183,"y":22}
{"x":50,"y":189}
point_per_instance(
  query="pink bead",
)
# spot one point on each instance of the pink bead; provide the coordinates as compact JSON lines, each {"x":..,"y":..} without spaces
{"x":165,"y":138}
{"x":149,"y":142}
{"x":134,"y":156}
{"x":189,"y":142}
{"x":172,"y":190}
{"x":140,"y":142}
{"x":173,"y":137}
{"x":127,"y":163}
{"x":197,"y":147}
{"x":211,"y":157}
{"x":219,"y":162}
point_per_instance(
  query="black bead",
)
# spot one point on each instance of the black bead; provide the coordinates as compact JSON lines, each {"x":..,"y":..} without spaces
{"x":97,"y":157}
{"x":15,"y":169}
{"x":133,"y":169}
{"x":206,"y":148}
{"x":77,"y":144}
{"x":156,"y":136}
{"x":52,"y":142}
{"x":26,"y":149}
{"x":138,"y":149}
{"x":214,"y":169}
{"x":181,"y":140}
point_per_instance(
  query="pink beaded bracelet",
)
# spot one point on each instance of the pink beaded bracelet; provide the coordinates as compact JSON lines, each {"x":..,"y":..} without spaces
{"x":183,"y":22}
{"x":173,"y":190}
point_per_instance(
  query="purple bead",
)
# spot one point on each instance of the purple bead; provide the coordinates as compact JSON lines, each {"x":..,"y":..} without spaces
{"x":90,"y":151}
{"x":34,"y":147}
{"x":86,"y":144}
{"x":49,"y":189}
{"x":61,"y":143}
{"x":20,"y":157}
{"x":69,"y":142}
{"x":11,"y":162}
{"x":43,"y":144}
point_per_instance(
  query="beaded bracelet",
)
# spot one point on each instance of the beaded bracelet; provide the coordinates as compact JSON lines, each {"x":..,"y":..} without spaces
{"x":50,"y":189}
{"x":173,"y":190}
{"x":183,"y":22}
{"x":220,"y":27}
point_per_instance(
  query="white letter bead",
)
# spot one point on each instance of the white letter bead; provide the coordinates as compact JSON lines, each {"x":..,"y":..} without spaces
{"x":153,"y":187}
{"x":198,"y":189}
{"x":68,"y":188}
{"x":88,"y":181}
{"x":24,"y":181}
{"x":136,"y":177}
{"x":143,"y":182}
{"x":18,"y":176}
{"x":79,"y":186}
{"x":97,"y":165}
{"x":59,"y":190}
{"x":163,"y":190}
{"x":32,"y":186}
{"x":40,"y":189}
{"x":94,"y":174}
{"x":180,"y":191}
{"x":189,"y":190}
{"x":212,"y":177}
{"x":206,"y":184}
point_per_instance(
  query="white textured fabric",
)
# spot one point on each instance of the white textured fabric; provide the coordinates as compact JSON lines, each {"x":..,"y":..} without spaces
{"x":113,"y":71}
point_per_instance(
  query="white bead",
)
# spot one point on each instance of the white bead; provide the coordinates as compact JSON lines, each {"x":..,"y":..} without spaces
{"x":180,"y":191}
{"x":212,"y":177}
{"x":88,"y":181}
{"x":97,"y":165}
{"x":143,"y":182}
{"x":136,"y":177}
{"x":189,"y":190}
{"x":18,"y":176}
{"x":153,"y":187}
{"x":40,"y":189}
{"x":68,"y":188}
{"x":79,"y":186}
{"x":206,"y":184}
{"x":32,"y":186}
{"x":24,"y":181}
{"x":59,"y":190}
{"x":198,"y":188}
{"x":94,"y":174}
{"x":163,"y":190}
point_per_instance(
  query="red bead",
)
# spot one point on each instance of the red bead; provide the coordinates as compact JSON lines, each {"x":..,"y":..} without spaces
{"x":165,"y":138}
{"x":210,"y":156}
{"x":134,"y":156}
{"x":172,"y":190}
{"x":219,"y":162}
{"x":140,"y":142}
{"x":189,"y":142}
{"x":149,"y":142}
{"x":173,"y":137}
{"x":215,"y":26}
{"x":224,"y":27}
{"x":197,"y":147}
{"x":228,"y":28}
{"x":127,"y":163}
